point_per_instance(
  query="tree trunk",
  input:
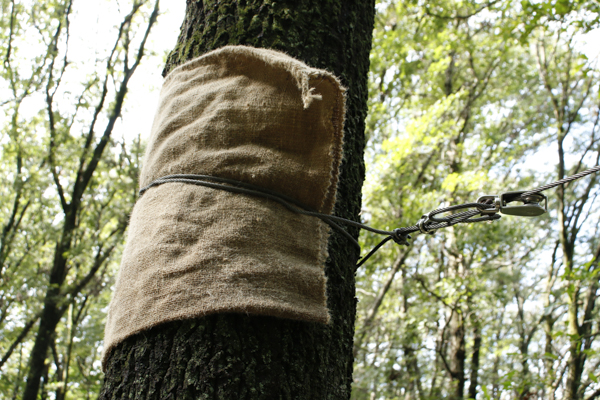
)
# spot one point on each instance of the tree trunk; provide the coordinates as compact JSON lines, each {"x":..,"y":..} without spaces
{"x":456,"y":336}
{"x":548,"y":360}
{"x":475,"y":360}
{"x":51,"y":313}
{"x":414,"y":389}
{"x":234,"y":356}
{"x":457,"y":355}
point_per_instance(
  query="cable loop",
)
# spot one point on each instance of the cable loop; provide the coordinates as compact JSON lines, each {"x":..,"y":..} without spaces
{"x":422,"y":225}
{"x":452,"y":217}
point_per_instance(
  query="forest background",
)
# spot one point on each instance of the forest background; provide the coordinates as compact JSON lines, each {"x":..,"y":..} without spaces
{"x":466,"y":98}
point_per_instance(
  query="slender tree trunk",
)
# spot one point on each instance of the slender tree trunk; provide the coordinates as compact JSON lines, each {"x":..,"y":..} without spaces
{"x":51,"y":314}
{"x":525,"y":375}
{"x":575,"y":355}
{"x":523,"y":341}
{"x":456,"y":325}
{"x":548,"y":359}
{"x":582,"y":342}
{"x":567,"y":245}
{"x":574,"y":361}
{"x":548,"y":325}
{"x":234,"y":356}
{"x":55,"y":300}
{"x":414,"y":388}
{"x":475,"y":360}
{"x":457,"y":355}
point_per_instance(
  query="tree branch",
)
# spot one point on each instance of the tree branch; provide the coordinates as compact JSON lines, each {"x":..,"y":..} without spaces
{"x":421,"y":280}
{"x":84,"y":178}
{"x":51,"y":88}
{"x":398,"y":263}
{"x":459,"y":16}
{"x":594,"y":395}
{"x":10,"y":36}
{"x":19,"y":338}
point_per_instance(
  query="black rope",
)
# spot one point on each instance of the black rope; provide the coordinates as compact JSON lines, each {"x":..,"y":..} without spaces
{"x":400,"y":235}
{"x":253,"y":190}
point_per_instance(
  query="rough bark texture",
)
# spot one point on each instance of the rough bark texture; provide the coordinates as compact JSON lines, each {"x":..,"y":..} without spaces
{"x":231,"y":356}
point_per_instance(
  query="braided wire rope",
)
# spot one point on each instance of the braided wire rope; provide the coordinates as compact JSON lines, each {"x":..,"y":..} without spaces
{"x":563,"y":181}
{"x":428,"y":224}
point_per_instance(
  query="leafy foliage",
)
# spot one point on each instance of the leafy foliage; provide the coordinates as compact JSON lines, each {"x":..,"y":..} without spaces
{"x":466,"y":97}
{"x":68,"y":181}
{"x":463,"y":95}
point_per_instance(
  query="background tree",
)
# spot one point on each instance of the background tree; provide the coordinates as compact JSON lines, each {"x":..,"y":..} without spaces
{"x":241,"y":356}
{"x":67,"y":186}
{"x":460,"y":99}
{"x":572,"y":86}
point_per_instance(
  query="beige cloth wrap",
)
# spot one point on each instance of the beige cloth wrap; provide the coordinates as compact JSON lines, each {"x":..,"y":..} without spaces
{"x":253,"y":115}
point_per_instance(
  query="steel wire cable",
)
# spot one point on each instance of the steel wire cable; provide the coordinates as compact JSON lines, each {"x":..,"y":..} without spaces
{"x":562,"y":181}
{"x":429,"y":223}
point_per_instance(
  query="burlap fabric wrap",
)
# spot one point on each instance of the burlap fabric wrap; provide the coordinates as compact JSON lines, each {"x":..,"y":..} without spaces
{"x":253,"y":115}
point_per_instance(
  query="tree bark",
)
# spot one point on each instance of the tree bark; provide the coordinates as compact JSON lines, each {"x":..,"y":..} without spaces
{"x":234,"y":356}
{"x":475,"y":360}
{"x":457,"y":355}
{"x":456,"y":336}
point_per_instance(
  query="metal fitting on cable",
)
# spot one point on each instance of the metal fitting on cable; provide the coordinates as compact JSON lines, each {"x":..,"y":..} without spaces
{"x":421,"y":224}
{"x":400,"y":237}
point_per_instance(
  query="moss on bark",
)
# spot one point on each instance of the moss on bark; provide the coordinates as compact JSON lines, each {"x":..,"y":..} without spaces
{"x":233,"y":356}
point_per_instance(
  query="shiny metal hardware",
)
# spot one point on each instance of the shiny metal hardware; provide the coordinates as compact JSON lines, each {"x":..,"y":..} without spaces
{"x":421,"y":225}
{"x":528,"y":206}
{"x":490,"y":200}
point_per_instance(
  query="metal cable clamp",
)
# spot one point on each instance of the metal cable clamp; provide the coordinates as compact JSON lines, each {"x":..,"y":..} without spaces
{"x":530,"y":205}
{"x":421,"y":224}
